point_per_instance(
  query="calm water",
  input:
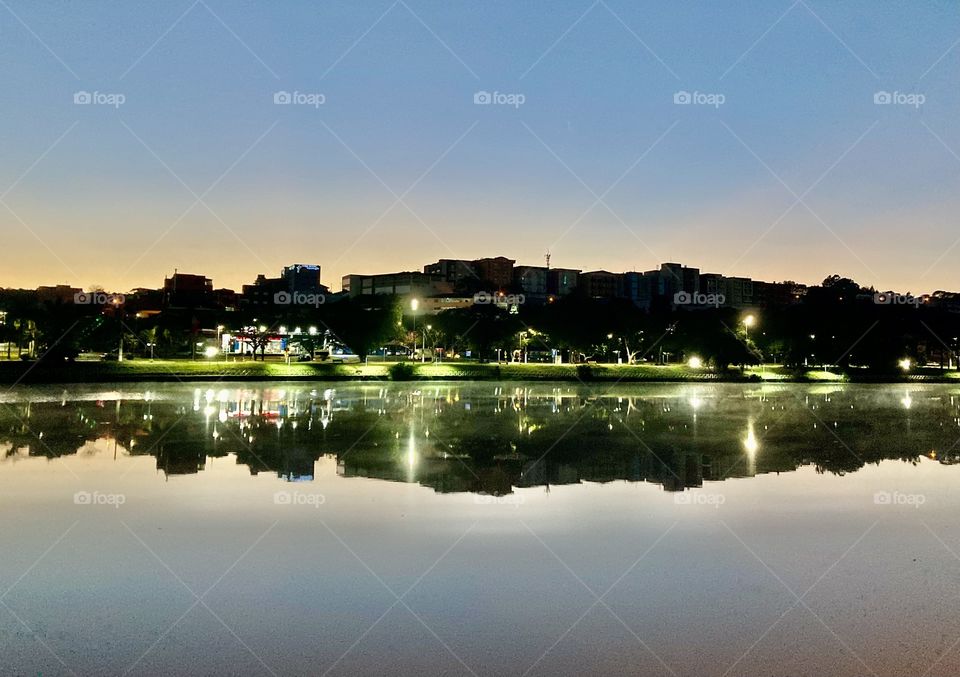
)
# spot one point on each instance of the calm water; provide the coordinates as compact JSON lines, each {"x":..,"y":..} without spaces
{"x":480,"y":529}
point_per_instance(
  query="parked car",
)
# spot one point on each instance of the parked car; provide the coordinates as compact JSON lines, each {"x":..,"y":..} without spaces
{"x":337,"y":356}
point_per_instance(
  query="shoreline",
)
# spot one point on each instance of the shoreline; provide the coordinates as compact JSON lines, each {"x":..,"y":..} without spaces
{"x":140,"y":370}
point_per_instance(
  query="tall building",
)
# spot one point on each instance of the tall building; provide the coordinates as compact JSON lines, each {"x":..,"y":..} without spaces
{"x":298,"y":278}
{"x":562,"y":281}
{"x":303,"y":278}
{"x":680,"y":278}
{"x":496,"y":272}
{"x":531,"y":281}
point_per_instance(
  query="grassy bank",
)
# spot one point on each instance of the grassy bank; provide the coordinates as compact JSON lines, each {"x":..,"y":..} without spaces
{"x":203,"y":370}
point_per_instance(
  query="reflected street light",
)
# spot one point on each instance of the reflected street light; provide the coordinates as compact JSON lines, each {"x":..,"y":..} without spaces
{"x":414,"y":304}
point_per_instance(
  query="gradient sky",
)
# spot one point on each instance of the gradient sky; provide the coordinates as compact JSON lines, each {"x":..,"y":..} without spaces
{"x":93,"y":194}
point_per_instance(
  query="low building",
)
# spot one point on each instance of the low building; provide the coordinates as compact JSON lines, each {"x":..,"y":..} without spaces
{"x":263,"y":291}
{"x":61,"y":293}
{"x":601,"y":284}
{"x":184,"y":290}
{"x":408,"y":284}
{"x":454,"y":271}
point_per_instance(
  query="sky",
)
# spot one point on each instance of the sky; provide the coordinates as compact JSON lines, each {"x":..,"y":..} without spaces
{"x":787,"y":162}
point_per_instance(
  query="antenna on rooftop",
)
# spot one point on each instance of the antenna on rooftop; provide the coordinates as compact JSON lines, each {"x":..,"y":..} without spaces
{"x":547,"y":257}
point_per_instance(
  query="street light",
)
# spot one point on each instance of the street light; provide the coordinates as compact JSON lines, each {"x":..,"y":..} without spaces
{"x":748,"y":322}
{"x":414,"y":304}
{"x":423,"y":352}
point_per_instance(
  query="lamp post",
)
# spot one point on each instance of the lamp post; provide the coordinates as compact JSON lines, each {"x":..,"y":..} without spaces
{"x":748,"y":322}
{"x":117,"y":313}
{"x":414,"y":304}
{"x":423,"y":350}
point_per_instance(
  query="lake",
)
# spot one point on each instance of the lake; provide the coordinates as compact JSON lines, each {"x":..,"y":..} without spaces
{"x":480,"y":528}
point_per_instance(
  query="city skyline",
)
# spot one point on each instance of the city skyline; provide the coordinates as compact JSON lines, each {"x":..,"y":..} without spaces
{"x":797,"y":141}
{"x":250,"y":278}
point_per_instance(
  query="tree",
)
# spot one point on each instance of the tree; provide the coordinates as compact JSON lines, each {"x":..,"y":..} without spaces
{"x":365,"y":323}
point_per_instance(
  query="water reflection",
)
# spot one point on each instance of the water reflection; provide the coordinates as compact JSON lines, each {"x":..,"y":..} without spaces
{"x":494,"y":438}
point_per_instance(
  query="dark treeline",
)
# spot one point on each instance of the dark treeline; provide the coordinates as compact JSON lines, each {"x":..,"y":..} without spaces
{"x":836,"y":323}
